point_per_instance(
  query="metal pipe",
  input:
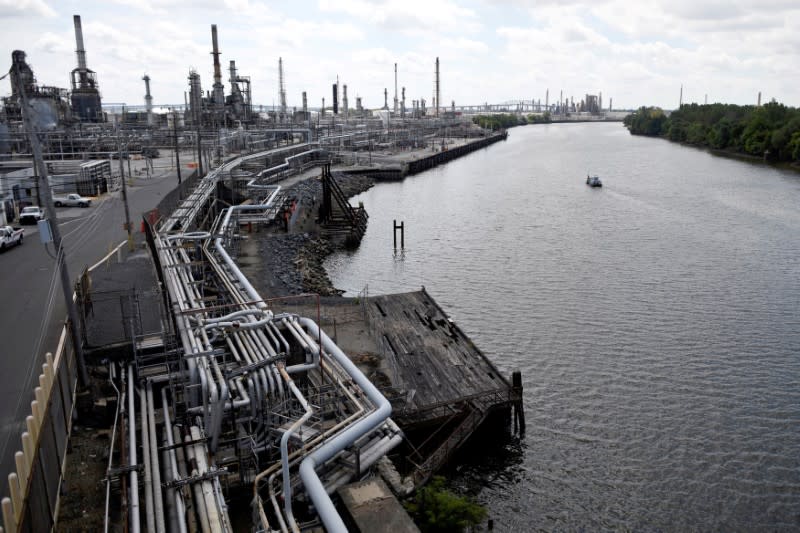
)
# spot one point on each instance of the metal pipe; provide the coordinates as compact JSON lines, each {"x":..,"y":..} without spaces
{"x":134,"y":477}
{"x":316,"y":491}
{"x":155,"y":470}
{"x":148,"y":474}
{"x":287,"y":482}
{"x":111,"y":447}
{"x":207,"y":490}
{"x":194,"y":470}
{"x":173,"y":459}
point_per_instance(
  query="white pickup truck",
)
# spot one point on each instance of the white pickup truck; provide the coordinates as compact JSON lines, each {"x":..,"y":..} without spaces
{"x":31,"y":215}
{"x":10,"y":236}
{"x":71,"y":200}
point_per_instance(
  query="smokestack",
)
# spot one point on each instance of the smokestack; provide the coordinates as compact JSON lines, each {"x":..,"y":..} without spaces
{"x":281,"y":86}
{"x":395,"y":88}
{"x":438,"y":90}
{"x":335,"y":98}
{"x":610,"y":104}
{"x":403,"y":104}
{"x":79,"y":42}
{"x":219,"y":94}
{"x":218,"y":89}
{"x":680,"y":99}
{"x":232,"y":71}
{"x":322,"y":111}
{"x":344,"y":100}
{"x":305,"y":104}
{"x":148,"y":100}
{"x":759,"y":99}
{"x":547,"y":98}
{"x":386,"y":98}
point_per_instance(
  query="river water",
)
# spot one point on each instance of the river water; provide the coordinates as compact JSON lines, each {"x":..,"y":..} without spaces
{"x":656,"y":322}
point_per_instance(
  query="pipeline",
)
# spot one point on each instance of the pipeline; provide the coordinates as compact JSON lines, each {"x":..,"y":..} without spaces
{"x":111,"y":376}
{"x":316,"y":491}
{"x":250,"y":334}
{"x":134,"y":477}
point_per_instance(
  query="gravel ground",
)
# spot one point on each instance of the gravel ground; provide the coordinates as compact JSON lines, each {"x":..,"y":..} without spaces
{"x":284,"y":264}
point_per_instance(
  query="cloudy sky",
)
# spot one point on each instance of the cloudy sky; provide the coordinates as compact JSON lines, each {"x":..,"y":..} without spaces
{"x":636,"y":52}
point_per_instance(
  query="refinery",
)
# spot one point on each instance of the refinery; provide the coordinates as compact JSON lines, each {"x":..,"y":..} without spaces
{"x":225,"y":405}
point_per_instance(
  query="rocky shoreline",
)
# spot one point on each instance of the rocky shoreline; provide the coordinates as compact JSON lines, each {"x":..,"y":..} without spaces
{"x":292,"y":263}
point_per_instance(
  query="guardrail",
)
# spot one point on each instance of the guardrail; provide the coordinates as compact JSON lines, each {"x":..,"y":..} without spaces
{"x":34,"y":489}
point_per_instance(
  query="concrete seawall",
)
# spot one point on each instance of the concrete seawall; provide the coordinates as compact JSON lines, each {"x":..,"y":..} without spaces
{"x":414,"y":167}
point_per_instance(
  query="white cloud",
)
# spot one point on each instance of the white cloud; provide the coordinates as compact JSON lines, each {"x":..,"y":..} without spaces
{"x":490,"y":50}
{"x":24,"y":8}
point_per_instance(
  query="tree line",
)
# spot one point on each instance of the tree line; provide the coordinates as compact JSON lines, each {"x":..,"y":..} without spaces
{"x":771,"y":131}
{"x":500,"y":121}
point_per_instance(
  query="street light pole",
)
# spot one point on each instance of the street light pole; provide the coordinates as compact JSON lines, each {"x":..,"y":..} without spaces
{"x":124,"y":193}
{"x":61,"y":263}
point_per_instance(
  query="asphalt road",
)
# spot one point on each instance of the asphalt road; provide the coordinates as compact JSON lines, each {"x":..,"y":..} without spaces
{"x":32,"y":311}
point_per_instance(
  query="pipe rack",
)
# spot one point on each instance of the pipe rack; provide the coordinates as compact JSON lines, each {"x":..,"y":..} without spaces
{"x":239,"y":386}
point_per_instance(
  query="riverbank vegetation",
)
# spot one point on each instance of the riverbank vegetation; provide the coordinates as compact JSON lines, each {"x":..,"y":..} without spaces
{"x":437,"y":510}
{"x":771,"y":131}
{"x":500,"y":121}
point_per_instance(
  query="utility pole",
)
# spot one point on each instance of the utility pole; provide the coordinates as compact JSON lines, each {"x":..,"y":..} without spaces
{"x":124,"y":194}
{"x":61,"y":263}
{"x":175,"y":136}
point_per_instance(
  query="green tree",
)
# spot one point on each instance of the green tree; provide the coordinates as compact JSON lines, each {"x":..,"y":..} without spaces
{"x":437,"y":510}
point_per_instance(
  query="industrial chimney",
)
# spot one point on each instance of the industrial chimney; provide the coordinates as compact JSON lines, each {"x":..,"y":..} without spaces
{"x":344,"y":100}
{"x":85,"y":98}
{"x":148,"y":100}
{"x":218,"y":89}
{"x":282,"y":87}
{"x":438,"y":90}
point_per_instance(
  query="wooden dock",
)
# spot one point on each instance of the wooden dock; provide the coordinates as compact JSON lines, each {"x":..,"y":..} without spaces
{"x":441,"y":386}
{"x":432,"y":365}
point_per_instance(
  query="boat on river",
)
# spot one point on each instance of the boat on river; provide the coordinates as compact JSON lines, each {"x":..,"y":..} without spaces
{"x":593,"y":181}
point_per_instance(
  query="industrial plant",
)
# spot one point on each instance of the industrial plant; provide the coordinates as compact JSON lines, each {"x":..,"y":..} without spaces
{"x":225,"y":408}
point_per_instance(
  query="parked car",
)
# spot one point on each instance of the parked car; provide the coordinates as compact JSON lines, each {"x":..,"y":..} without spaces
{"x":10,"y":236}
{"x":72,"y":200}
{"x":31,"y":215}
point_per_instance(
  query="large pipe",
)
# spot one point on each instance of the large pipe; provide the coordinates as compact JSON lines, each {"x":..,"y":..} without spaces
{"x":148,"y":469}
{"x":193,"y":466}
{"x":322,"y":502}
{"x":156,"y":468}
{"x":287,"y":482}
{"x":81,"y":51}
{"x":173,"y":461}
{"x":134,"y":476}
{"x":207,"y":488}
